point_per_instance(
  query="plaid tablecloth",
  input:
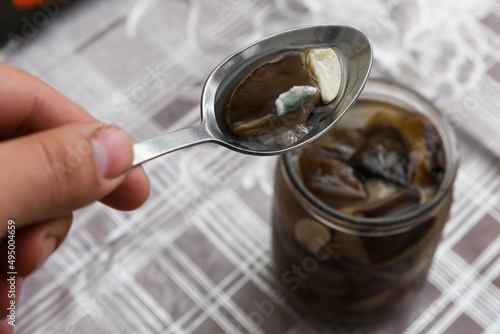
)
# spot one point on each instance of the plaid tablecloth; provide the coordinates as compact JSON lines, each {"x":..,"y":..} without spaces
{"x":196,"y":258}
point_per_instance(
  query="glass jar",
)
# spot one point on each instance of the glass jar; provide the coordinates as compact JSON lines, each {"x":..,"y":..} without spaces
{"x":351,"y":268}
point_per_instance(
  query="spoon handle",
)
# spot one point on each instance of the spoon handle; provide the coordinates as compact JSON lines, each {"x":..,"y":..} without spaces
{"x":169,"y":142}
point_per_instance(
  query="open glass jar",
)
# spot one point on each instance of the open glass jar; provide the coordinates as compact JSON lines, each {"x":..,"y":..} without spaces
{"x":360,"y":255}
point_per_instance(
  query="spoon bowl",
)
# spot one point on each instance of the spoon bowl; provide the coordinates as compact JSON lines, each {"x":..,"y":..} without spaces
{"x":355,"y":53}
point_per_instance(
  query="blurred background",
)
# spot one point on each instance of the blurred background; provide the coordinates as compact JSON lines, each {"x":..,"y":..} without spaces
{"x":196,"y":258}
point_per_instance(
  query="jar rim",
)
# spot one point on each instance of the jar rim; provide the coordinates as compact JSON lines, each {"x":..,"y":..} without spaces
{"x":407,"y":98}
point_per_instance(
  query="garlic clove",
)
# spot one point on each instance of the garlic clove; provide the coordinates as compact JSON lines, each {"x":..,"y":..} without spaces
{"x":324,"y":65}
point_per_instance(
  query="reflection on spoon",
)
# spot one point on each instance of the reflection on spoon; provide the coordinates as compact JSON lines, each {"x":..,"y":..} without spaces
{"x":353,"y":48}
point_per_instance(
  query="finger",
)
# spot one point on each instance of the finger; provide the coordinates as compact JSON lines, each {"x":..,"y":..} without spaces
{"x":132,"y":193}
{"x":28,"y":105}
{"x":34,"y":244}
{"x":52,"y":173}
{"x":5,"y":328}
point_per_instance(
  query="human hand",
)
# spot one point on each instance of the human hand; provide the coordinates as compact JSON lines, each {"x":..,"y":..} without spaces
{"x":54,"y":158}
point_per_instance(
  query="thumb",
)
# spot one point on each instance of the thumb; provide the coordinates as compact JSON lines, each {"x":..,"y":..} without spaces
{"x":51,"y":173}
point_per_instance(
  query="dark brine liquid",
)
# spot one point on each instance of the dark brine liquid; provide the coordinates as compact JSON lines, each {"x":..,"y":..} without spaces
{"x":380,"y":162}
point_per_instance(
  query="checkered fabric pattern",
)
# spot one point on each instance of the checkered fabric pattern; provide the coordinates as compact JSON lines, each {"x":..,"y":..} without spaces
{"x":196,"y":258}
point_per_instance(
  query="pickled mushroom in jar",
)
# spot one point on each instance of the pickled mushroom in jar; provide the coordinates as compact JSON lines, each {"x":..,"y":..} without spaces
{"x":341,"y":142}
{"x":426,"y":149}
{"x":386,"y":156}
{"x":330,"y":179}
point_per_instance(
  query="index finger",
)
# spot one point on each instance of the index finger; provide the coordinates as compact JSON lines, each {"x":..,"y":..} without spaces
{"x":28,"y":105}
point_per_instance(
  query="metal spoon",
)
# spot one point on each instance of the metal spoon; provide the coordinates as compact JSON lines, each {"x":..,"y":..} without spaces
{"x":356,"y":55}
